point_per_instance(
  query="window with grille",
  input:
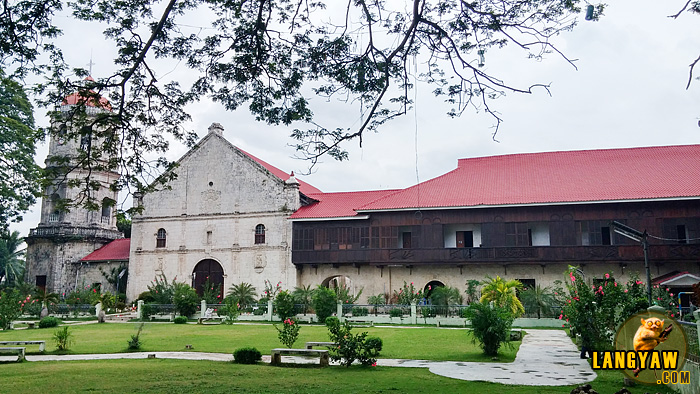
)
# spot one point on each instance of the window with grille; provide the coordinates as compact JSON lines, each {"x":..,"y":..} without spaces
{"x":160,"y":238}
{"x":518,"y":234}
{"x":260,"y":234}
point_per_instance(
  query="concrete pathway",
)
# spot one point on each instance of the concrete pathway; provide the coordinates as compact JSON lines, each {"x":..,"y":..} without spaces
{"x":545,"y":358}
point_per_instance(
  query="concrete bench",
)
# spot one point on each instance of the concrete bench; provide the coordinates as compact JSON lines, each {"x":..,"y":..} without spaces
{"x":19,"y":351}
{"x":277,"y":355}
{"x":365,"y":322}
{"x":220,"y":319}
{"x":310,"y":345}
{"x":30,"y":324}
{"x":516,"y":334}
{"x":42,"y":344}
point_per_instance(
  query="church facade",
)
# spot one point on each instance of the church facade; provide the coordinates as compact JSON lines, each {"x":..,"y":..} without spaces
{"x":222,"y":222}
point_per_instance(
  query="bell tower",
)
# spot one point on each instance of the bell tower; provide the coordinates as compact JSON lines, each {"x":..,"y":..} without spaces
{"x":68,"y":232}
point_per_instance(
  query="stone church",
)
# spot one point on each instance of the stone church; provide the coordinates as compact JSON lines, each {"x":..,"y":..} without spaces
{"x":222,"y":220}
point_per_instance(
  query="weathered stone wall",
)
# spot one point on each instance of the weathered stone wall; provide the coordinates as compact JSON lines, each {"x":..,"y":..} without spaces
{"x":375,"y":280}
{"x":59,"y":260}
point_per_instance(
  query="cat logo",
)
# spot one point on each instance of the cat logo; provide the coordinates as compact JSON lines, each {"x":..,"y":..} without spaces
{"x":650,"y":347}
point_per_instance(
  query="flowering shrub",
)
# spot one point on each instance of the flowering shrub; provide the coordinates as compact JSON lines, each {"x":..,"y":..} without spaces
{"x":83,"y":295}
{"x":211,"y":292}
{"x":12,"y":303}
{"x":230,"y":309}
{"x":289,"y":332}
{"x":161,"y":291}
{"x":407,"y":294}
{"x":185,"y":299}
{"x":350,"y":347}
{"x":596,"y":309}
{"x":284,"y":305}
{"x":270,"y":291}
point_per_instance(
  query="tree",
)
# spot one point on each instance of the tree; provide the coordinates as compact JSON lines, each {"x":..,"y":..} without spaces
{"x":11,"y":262}
{"x":444,"y":296}
{"x":691,"y":6}
{"x":243,"y":292}
{"x":324,"y":301}
{"x":124,"y":224}
{"x":19,"y":175}
{"x":502,"y":294}
{"x":269,"y":55}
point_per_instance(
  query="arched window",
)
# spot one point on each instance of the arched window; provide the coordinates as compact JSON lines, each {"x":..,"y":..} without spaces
{"x":260,"y":234}
{"x":160,"y":238}
{"x":107,"y":209}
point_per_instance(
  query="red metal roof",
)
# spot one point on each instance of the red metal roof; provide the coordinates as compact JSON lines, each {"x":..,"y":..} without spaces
{"x":557,"y":177}
{"x":117,"y":250}
{"x":303,"y":186}
{"x":335,"y":205}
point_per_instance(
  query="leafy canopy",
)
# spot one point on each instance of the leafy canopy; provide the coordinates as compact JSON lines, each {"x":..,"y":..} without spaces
{"x":271,"y":56}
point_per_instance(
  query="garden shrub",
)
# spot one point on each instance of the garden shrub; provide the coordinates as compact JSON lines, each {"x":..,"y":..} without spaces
{"x":324,"y":301}
{"x":289,"y":332}
{"x":284,"y":305}
{"x":229,"y":309}
{"x":48,"y":322}
{"x":135,"y":342}
{"x":490,"y":326}
{"x":351,"y":347}
{"x":63,"y":338}
{"x":146,"y":297}
{"x":360,"y":311}
{"x":246,"y":355}
{"x":396,"y":312}
{"x":259,"y":312}
{"x":11,"y":305}
{"x":180,"y":320}
{"x":185,"y":299}
{"x":147,"y":310}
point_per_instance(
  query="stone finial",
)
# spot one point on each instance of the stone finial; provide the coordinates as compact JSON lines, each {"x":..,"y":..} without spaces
{"x":292,"y":180}
{"x":216,"y":128}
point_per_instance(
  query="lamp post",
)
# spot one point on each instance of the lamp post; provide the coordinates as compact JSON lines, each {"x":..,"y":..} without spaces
{"x":640,"y":237}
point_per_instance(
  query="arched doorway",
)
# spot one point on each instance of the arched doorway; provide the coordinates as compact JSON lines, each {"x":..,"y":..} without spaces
{"x":428,"y":289}
{"x":343,"y":287}
{"x":209,"y":273}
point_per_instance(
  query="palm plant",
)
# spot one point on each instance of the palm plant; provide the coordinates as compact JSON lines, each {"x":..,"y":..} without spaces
{"x":46,"y":299}
{"x":376,"y":300}
{"x":502,"y":293}
{"x":11,"y":262}
{"x":244,"y":292}
{"x":538,"y":298}
{"x":444,"y":296}
{"x":302,"y":295}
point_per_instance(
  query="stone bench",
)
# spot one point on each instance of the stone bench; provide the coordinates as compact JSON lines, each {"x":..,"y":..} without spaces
{"x":365,"y":322}
{"x":19,"y":351}
{"x":30,"y":324}
{"x":516,"y":334}
{"x":42,"y":344}
{"x":278,"y":352}
{"x":310,"y":345}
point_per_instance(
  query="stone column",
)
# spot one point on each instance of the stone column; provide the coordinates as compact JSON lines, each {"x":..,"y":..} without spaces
{"x":203,"y":308}
{"x":414,"y":314}
{"x":139,"y":312}
{"x":269,"y":310}
{"x":339,"y":311}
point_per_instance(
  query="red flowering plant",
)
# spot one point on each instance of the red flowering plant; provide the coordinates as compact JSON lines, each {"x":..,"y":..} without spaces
{"x":12,"y":303}
{"x":407,"y":294}
{"x":83,"y":295}
{"x":289,"y":332}
{"x":597,"y":308}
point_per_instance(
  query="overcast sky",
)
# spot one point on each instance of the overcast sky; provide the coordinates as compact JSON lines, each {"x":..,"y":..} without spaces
{"x":628,"y":91}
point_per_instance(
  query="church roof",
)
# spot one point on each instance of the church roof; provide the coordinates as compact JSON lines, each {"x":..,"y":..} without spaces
{"x":337,"y":205}
{"x":117,"y":250}
{"x":570,"y":177}
{"x":303,"y":186}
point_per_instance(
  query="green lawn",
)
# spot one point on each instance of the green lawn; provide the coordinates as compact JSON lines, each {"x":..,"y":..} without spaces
{"x":411,"y":343}
{"x":179,"y":376}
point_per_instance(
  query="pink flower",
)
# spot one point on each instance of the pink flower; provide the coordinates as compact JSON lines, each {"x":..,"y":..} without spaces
{"x":374,"y":364}
{"x":600,"y":288}
{"x":607,"y":276}
{"x":561,"y":316}
{"x":563,"y":325}
{"x":673,"y":315}
{"x":625,"y":290}
{"x":615,"y":284}
{"x":639,"y":282}
{"x":671,"y":294}
{"x":658,"y":298}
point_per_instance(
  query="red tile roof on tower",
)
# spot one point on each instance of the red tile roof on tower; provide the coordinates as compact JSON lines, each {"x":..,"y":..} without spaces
{"x":90,"y":101}
{"x":633,"y":174}
{"x":303,"y":186}
{"x":117,"y":250}
{"x":337,"y":205}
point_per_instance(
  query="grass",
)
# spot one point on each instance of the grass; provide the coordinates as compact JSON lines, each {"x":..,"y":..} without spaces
{"x":427,"y":343}
{"x":180,"y":376}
